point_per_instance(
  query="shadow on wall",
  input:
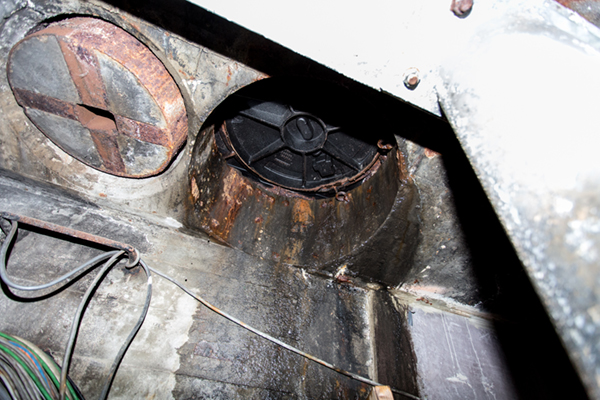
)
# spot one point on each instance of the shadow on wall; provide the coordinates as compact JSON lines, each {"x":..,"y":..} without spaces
{"x":538,"y":362}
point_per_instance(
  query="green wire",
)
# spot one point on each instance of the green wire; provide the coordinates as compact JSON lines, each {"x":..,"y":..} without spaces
{"x":41,"y":361}
{"x":57,"y":382}
{"x":31,"y":360}
{"x":31,"y":374}
{"x":44,"y":365}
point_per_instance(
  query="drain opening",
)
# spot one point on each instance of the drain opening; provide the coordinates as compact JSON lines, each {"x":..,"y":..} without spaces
{"x":335,"y":187}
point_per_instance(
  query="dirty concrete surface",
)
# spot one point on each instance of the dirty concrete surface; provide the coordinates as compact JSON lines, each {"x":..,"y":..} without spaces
{"x":183,"y":349}
{"x":186,"y":351}
{"x":463,"y":288}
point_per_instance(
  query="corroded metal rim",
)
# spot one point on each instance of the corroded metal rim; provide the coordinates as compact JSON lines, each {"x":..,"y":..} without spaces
{"x":332,"y":187}
{"x":126,"y":113}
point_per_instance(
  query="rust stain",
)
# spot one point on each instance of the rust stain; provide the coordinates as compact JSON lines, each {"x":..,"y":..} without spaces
{"x":384,"y":145}
{"x":343,"y":197}
{"x":589,"y":10}
{"x":402,"y":167}
{"x":233,"y":192}
{"x":88,"y":237}
{"x":261,"y":76}
{"x":141,"y":131}
{"x":430,"y":153}
{"x":270,"y":199}
{"x":302,"y":216}
{"x":85,"y":72}
{"x":44,"y":103}
{"x":283,"y":192}
{"x":195,"y":190}
{"x":229,"y":74}
{"x":292,"y":250}
{"x":108,"y":148}
{"x":424,"y":300}
{"x":81,"y":39}
{"x":285,"y":226}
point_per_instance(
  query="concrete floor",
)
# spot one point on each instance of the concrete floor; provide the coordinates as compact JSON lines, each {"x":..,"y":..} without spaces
{"x":184,"y":350}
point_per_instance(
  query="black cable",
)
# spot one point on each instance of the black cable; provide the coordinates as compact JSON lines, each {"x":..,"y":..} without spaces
{"x":6,"y":279}
{"x":134,"y":331}
{"x":112,"y":257}
{"x":75,"y":392}
{"x":77,"y":322}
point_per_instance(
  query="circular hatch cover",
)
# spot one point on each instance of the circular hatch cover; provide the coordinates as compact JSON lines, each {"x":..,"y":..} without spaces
{"x":100,"y":95}
{"x":301,"y":146}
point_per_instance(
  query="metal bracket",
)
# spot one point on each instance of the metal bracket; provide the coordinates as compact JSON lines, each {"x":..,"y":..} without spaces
{"x":134,"y":255}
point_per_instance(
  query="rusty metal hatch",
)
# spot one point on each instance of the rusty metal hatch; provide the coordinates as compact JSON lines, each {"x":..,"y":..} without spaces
{"x":100,"y":95}
{"x":299,"y":136}
{"x":321,"y":224}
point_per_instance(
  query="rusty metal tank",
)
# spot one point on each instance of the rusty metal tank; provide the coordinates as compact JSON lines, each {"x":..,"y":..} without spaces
{"x":295,"y":172}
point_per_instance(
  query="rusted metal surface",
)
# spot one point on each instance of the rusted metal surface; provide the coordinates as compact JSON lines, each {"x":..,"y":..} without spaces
{"x":588,"y":9}
{"x":381,"y":393}
{"x":288,"y":227}
{"x":384,"y":145}
{"x":134,"y":256}
{"x":100,"y":95}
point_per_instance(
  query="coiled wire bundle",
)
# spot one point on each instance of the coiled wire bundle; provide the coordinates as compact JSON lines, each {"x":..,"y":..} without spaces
{"x":26,"y":372}
{"x":22,"y":375}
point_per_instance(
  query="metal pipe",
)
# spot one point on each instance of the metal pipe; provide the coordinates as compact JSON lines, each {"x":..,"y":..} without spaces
{"x":133,"y":254}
